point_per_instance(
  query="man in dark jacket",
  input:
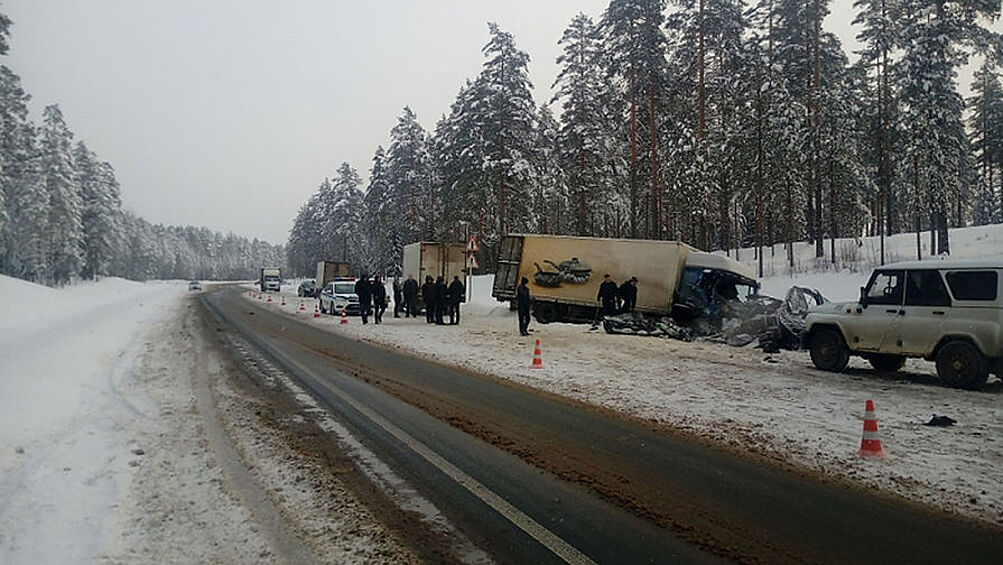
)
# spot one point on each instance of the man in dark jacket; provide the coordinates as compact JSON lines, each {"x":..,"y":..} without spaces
{"x":607,"y":295}
{"x":365,"y":293}
{"x":379,"y":299}
{"x":628,"y":295}
{"x":457,"y":294}
{"x":441,"y":300}
{"x":428,"y":295}
{"x":411,"y":297}
{"x":398,"y":297}
{"x":523,"y":301}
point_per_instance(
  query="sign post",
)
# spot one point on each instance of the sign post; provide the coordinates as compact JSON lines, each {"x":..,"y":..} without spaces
{"x":470,"y":262}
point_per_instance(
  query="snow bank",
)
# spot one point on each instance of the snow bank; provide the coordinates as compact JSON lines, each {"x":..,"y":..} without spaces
{"x":64,"y":354}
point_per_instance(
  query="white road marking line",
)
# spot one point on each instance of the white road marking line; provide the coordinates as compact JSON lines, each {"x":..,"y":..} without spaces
{"x":534,"y":529}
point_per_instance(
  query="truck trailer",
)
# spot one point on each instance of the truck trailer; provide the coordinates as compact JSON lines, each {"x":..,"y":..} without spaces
{"x":271,"y":279}
{"x":327,"y":271}
{"x":435,"y":259}
{"x":425,"y":258}
{"x":564,"y":272}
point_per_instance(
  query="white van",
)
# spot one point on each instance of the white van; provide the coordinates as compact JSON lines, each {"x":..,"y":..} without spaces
{"x":949,"y":312}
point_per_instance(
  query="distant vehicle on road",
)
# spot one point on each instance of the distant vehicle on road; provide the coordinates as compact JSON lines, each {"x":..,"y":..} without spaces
{"x":339,"y":295}
{"x":949,"y":312}
{"x":307,"y":288}
{"x":271,"y":279}
{"x":195,"y":286}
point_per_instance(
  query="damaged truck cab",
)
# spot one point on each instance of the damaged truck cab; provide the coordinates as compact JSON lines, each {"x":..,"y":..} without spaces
{"x":565,"y":273}
{"x":708,"y":283}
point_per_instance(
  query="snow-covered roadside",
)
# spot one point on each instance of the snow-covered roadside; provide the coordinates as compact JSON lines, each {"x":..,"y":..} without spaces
{"x":777,"y":406}
{"x":66,"y":428}
{"x":112,"y":409}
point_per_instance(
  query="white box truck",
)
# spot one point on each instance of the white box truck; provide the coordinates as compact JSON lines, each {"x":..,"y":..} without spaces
{"x":271,"y":279}
{"x":436,"y":260}
{"x":565,"y":272}
{"x":327,"y":271}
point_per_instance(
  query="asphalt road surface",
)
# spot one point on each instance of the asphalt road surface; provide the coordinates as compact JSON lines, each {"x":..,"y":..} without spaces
{"x":534,"y":478}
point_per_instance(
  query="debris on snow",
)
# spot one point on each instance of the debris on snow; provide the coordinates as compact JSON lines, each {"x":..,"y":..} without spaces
{"x":941,"y":421}
{"x":762,"y":321}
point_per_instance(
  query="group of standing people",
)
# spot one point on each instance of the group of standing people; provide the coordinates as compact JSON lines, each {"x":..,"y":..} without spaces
{"x":372,"y":298}
{"x":443,"y":300}
{"x":440,"y":299}
{"x":617,"y":300}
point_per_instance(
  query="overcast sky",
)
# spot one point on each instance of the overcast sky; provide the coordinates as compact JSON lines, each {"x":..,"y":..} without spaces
{"x":228,"y":114}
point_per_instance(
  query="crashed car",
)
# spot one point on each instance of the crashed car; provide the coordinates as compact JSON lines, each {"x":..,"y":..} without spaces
{"x":757,"y":320}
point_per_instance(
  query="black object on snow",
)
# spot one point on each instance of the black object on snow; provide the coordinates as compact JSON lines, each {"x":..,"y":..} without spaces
{"x":941,"y":421}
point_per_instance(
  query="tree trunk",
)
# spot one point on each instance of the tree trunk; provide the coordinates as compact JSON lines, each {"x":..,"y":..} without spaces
{"x":633,"y":157}
{"x":656,"y":197}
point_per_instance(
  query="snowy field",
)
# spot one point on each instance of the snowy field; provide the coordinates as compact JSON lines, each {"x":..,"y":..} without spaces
{"x":775,"y":406}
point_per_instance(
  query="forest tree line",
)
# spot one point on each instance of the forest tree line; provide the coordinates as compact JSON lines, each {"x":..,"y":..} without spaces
{"x":61,"y":216}
{"x":721,"y":123}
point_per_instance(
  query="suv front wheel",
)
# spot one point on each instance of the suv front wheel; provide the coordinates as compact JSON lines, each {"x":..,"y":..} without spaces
{"x":961,"y":365}
{"x":828,"y":351}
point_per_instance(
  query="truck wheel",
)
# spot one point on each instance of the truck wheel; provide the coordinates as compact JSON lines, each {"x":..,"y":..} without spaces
{"x":545,"y":312}
{"x":960,"y":365}
{"x":883,"y":362}
{"x":828,"y":351}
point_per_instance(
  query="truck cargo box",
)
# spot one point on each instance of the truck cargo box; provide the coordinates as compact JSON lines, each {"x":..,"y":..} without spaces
{"x":565,"y":272}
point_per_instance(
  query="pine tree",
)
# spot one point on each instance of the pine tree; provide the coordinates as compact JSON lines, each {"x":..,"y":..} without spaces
{"x":634,"y":45}
{"x":551,"y":203}
{"x":65,"y":242}
{"x":4,"y":32}
{"x":22,"y":196}
{"x":411,"y":182}
{"x":340,"y":215}
{"x":879,"y":37}
{"x":705,"y":45}
{"x":586,"y":144}
{"x":986,"y":126}
{"x":101,"y":215}
{"x":383,"y":232}
{"x":507,"y":118}
{"x":936,"y":39}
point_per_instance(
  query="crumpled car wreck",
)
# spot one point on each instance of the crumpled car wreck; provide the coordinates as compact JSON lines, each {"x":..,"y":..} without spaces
{"x":758,"y":321}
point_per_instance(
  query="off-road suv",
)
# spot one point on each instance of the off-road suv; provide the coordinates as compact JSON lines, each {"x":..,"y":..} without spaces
{"x":949,"y":312}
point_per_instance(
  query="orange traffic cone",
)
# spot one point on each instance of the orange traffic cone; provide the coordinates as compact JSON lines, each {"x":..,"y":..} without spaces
{"x":344,"y":316}
{"x":316,"y":310}
{"x":870,"y":444}
{"x":283,"y":300}
{"x":302,"y":309}
{"x":537,"y":362}
{"x":269,"y":297}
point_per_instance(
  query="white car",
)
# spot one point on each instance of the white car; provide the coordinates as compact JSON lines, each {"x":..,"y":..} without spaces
{"x":339,"y":295}
{"x":949,"y":312}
